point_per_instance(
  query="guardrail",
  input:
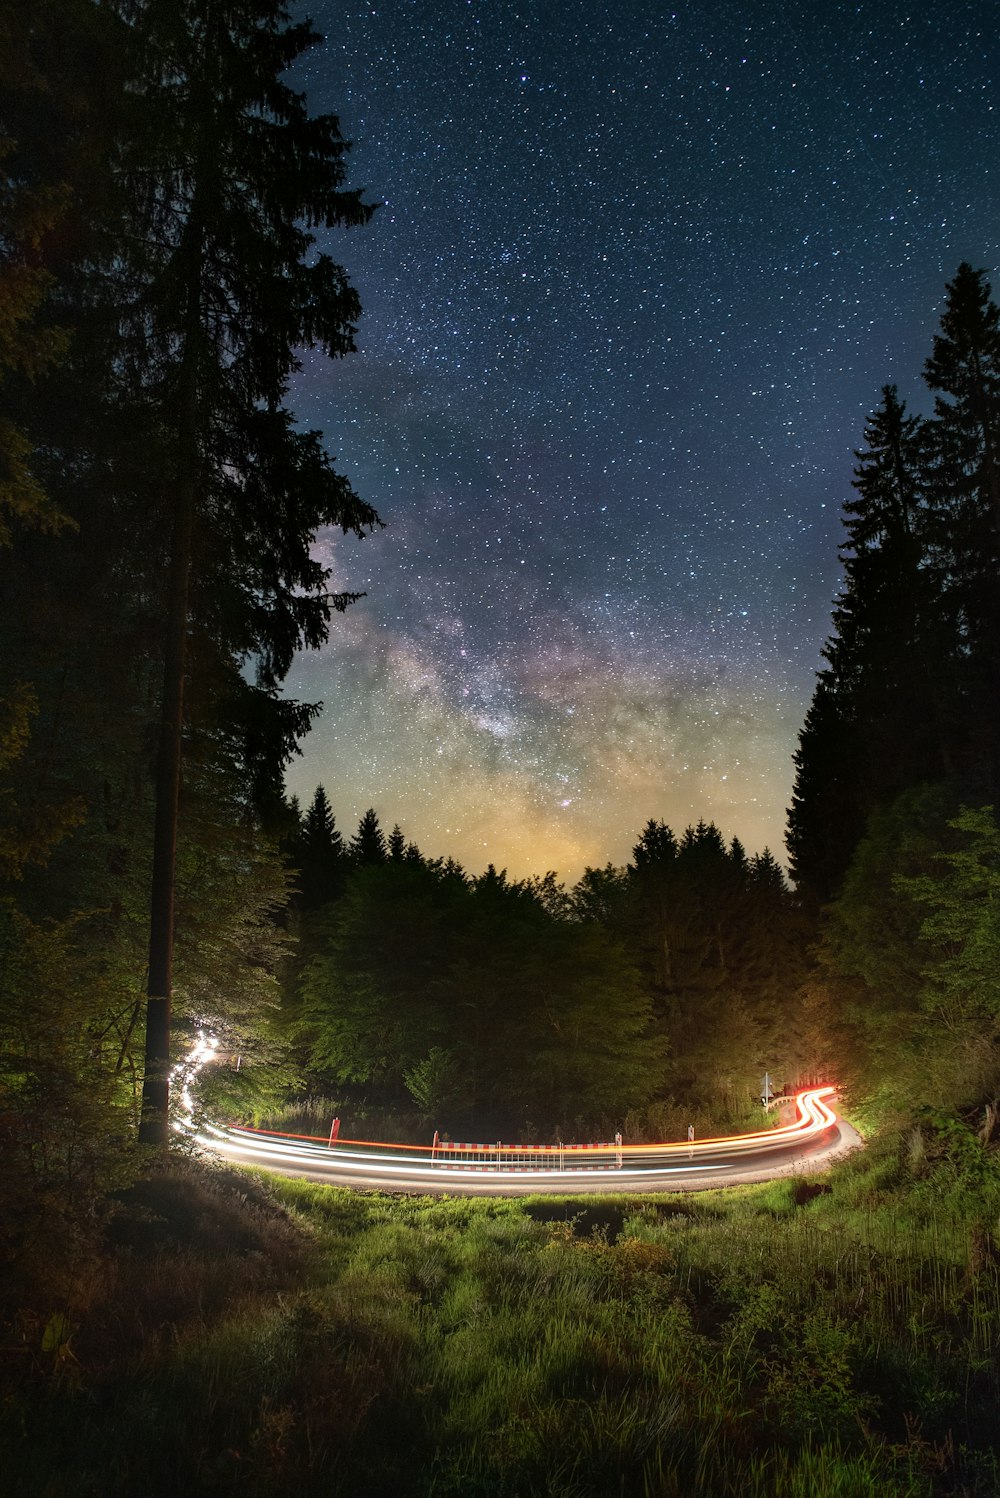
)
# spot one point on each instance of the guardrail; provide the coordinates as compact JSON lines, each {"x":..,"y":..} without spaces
{"x":500,"y":1156}
{"x":814,"y":1119}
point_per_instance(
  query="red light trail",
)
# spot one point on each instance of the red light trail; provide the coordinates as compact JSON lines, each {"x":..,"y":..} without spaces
{"x":816,"y":1137}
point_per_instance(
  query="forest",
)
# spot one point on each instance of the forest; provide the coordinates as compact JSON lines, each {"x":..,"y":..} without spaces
{"x":162,"y":188}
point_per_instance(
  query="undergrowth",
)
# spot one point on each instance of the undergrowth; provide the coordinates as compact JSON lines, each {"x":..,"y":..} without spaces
{"x":263,"y":1337}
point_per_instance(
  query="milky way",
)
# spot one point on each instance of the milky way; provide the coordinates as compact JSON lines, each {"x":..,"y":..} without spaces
{"x":637,"y":278}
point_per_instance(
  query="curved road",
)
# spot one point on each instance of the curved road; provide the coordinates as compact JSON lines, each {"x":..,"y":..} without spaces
{"x":814,"y":1140}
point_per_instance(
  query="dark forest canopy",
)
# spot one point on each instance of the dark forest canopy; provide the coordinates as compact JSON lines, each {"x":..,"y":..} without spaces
{"x":910,"y":691}
{"x":489,"y":1003}
{"x":892,"y":830}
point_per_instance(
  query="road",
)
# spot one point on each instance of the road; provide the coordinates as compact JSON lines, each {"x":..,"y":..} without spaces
{"x":811,"y":1142}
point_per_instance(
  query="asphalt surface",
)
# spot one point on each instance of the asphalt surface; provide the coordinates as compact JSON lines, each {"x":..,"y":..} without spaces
{"x":811,"y":1144}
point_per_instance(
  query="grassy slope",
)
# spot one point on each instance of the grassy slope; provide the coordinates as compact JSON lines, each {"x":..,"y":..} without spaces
{"x":789,"y":1339}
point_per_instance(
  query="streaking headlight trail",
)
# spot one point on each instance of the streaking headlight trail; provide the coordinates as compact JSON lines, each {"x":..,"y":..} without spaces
{"x":815,"y":1137}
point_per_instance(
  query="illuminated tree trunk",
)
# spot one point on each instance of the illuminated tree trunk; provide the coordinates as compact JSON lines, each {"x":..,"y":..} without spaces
{"x":227,"y":180}
{"x":154,"y":1121}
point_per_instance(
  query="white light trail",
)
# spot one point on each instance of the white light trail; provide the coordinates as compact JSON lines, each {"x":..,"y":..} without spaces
{"x":184,"y":1075}
{"x":496,"y":1168}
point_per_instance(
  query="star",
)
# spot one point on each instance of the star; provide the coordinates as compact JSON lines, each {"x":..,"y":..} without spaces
{"x":637,"y":279}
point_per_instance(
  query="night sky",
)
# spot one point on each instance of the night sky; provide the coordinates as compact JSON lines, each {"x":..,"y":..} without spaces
{"x":639,"y":275}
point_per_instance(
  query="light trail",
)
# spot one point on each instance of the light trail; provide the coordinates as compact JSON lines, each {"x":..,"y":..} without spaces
{"x":815,"y":1138}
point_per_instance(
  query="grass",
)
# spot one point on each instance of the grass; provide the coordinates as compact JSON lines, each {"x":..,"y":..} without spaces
{"x":260,"y":1337}
{"x":314,"y":1115}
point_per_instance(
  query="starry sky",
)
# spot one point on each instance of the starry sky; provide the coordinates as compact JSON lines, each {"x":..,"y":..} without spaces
{"x":638,"y":275}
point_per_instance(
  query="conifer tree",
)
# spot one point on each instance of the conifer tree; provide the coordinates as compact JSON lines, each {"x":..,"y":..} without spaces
{"x":964,"y":478}
{"x":229,"y":177}
{"x":874,"y":724}
{"x":911,"y":688}
{"x":319,"y":854}
{"x":964,"y":370}
{"x":652,"y":912}
{"x":46,"y":151}
{"x":368,"y":845}
{"x":602,"y":896}
{"x":319,"y":830}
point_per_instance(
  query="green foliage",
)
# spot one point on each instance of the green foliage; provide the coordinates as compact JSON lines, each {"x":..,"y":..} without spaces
{"x":719,"y":946}
{"x":727,"y":1344}
{"x":40,"y":175}
{"x":160,"y":185}
{"x":962,"y":926}
{"x":66,"y":1111}
{"x":602,"y":895}
{"x":29,"y":827}
{"x":476,"y":998}
{"x":160,"y":191}
{"x":316,"y":852}
{"x":438,"y":1084}
{"x":900,"y":743}
{"x":675,"y":977}
{"x":369,"y":1001}
{"x":873,"y":930}
{"x":958,"y":1169}
{"x":911,"y":949}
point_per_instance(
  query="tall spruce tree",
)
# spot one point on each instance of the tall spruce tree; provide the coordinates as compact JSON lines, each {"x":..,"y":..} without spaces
{"x":964,"y":480}
{"x":964,"y":370}
{"x":911,"y":689}
{"x":368,"y":844}
{"x":319,"y":854}
{"x":48,"y":132}
{"x":875,"y":722}
{"x":652,"y":906}
{"x":229,"y":177}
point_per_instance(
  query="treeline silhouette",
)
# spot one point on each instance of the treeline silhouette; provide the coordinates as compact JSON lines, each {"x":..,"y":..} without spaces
{"x":639,"y":996}
{"x":892,"y":831}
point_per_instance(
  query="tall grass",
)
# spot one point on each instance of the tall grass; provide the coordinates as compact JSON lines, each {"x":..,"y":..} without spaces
{"x":763,"y":1341}
{"x":315,"y":1115}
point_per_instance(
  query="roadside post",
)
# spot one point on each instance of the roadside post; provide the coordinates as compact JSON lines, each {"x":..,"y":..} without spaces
{"x":334,"y":1131}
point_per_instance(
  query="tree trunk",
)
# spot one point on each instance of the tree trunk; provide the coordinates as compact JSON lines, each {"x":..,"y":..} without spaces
{"x":154,"y":1120}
